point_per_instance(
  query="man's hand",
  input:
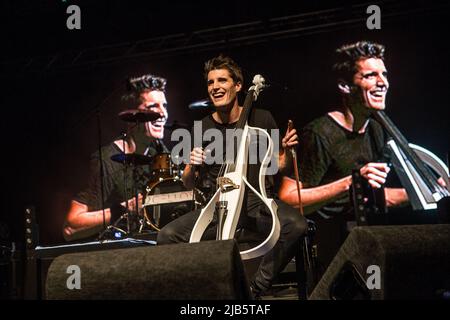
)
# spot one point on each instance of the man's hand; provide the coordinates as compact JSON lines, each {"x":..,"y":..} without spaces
{"x":290,"y":139}
{"x":198,"y":156}
{"x":132,"y":202}
{"x":375,"y":173}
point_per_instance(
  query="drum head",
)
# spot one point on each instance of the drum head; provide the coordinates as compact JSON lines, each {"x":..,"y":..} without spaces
{"x":167,"y":200}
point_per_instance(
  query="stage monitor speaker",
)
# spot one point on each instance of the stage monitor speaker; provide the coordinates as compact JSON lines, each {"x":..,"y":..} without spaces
{"x":389,"y":262}
{"x":205,"y":270}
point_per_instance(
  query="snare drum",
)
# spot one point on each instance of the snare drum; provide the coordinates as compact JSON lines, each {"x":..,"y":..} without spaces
{"x":168,"y":199}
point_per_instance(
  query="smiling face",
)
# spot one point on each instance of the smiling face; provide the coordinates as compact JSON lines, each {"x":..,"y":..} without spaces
{"x":222,"y":89}
{"x":370,"y":83}
{"x":154,"y":100}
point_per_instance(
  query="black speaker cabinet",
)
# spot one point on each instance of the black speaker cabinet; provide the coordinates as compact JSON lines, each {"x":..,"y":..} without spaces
{"x":204,"y":270}
{"x":390,"y":262}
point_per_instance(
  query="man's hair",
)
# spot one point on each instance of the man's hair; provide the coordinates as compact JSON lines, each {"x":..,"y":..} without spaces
{"x":224,"y":62}
{"x":136,"y":85}
{"x":349,"y":54}
{"x":147,"y":81}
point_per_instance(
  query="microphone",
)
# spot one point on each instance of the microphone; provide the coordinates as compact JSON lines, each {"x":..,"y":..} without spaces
{"x":204,"y":104}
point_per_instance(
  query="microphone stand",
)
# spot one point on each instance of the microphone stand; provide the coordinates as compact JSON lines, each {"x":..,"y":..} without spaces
{"x":125,"y":184}
{"x":136,"y":194}
{"x":102,"y":174}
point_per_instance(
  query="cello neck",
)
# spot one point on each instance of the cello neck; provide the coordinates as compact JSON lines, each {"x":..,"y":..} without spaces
{"x":252,"y":95}
{"x":245,"y":110}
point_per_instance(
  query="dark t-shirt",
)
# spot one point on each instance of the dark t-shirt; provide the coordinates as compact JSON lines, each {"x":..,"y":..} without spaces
{"x":209,"y":173}
{"x":118,"y":182}
{"x":329,"y":152}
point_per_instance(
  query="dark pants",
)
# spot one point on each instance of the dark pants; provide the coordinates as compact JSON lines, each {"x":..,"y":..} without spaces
{"x":293,"y":226}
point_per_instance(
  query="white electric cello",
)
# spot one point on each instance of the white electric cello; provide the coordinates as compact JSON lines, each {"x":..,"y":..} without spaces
{"x":226,"y":202}
{"x":417,"y":168}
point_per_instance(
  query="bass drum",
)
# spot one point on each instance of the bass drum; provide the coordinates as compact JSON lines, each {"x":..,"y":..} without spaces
{"x":167,"y":200}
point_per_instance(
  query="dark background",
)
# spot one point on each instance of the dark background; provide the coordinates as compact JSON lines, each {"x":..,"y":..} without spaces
{"x":54,"y":79}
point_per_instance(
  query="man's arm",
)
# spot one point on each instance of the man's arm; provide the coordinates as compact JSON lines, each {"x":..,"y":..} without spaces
{"x":81,"y":223}
{"x":197,"y":157}
{"x":188,"y":177}
{"x":313,"y":198}
{"x":316,"y":197}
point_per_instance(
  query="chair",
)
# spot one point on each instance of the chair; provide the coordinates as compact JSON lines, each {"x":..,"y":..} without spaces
{"x":306,"y":263}
{"x":305,"y":258}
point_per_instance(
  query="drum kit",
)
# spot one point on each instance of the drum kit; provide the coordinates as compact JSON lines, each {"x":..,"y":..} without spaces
{"x":165,"y":198}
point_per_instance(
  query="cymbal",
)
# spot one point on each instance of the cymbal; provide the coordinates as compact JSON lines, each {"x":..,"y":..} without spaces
{"x":176,"y":125}
{"x":131,"y":159}
{"x":135,"y":115}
